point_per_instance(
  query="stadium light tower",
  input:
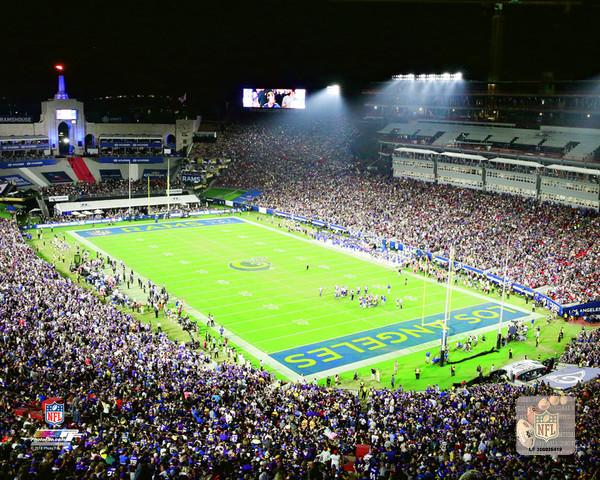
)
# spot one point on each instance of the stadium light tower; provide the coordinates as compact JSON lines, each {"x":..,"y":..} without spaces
{"x":333,"y":89}
{"x":430,"y":77}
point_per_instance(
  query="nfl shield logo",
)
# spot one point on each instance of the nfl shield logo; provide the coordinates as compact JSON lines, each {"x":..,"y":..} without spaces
{"x":54,"y":412}
{"x":546,"y":425}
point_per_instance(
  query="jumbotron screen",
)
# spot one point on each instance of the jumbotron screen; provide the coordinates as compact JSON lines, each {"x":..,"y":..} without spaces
{"x":274,"y":98}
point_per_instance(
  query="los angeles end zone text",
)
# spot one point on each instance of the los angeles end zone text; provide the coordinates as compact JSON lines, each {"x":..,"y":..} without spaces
{"x":339,"y":352}
{"x":370,"y":344}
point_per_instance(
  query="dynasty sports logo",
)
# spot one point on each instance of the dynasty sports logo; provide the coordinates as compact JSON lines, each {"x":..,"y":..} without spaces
{"x":546,"y":425}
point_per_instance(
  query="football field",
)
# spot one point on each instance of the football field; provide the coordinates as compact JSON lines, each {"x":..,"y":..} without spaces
{"x":254,"y":280}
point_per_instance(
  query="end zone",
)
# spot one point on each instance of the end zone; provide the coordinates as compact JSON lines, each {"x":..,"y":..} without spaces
{"x":370,"y":345}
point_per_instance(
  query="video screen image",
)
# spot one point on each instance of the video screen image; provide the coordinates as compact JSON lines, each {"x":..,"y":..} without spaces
{"x":294,"y":98}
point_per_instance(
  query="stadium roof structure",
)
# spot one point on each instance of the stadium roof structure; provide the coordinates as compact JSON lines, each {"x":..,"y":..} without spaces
{"x":559,"y":141}
{"x":466,"y":156}
{"x":124,"y":203}
{"x":477,"y":136}
{"x":499,"y":136}
{"x":578,"y":143}
{"x":416,"y":150}
{"x":531,"y":140}
{"x":514,"y":161}
{"x":568,"y":168}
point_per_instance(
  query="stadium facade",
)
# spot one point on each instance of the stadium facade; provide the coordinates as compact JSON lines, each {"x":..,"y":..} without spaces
{"x":64,"y":147}
{"x":539,"y":141}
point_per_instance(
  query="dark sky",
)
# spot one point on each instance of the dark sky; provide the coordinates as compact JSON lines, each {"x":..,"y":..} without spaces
{"x":209,"y":49}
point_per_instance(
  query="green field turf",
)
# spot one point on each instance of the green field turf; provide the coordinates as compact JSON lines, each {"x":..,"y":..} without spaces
{"x":222,"y":193}
{"x":284,"y":308}
{"x":216,"y":269}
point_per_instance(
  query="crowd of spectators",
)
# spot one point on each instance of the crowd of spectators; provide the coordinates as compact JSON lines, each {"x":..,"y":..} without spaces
{"x":311,"y":171}
{"x":148,"y":407}
{"x":107,"y":188}
{"x":308,"y":168}
{"x":584,"y":350}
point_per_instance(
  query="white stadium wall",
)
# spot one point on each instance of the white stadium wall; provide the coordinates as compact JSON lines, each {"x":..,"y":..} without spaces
{"x":21,"y":129}
{"x":50,"y":122}
{"x":182,"y":130}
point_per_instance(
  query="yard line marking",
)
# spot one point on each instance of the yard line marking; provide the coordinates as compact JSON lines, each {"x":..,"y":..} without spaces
{"x":368,"y":258}
{"x":251,"y":349}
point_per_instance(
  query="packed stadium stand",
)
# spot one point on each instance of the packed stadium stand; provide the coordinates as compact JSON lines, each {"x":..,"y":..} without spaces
{"x":564,"y":143}
{"x":142,"y":404}
{"x":513,"y":204}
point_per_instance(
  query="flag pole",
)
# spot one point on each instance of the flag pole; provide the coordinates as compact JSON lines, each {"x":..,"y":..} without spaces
{"x":129,"y":178}
{"x":424,"y":292}
{"x":148,"y":195}
{"x":168,"y":186}
{"x":447,"y":307}
{"x":504,"y":281}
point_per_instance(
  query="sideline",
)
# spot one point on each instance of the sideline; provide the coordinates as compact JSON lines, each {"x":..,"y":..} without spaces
{"x":251,"y":349}
{"x":283,"y":369}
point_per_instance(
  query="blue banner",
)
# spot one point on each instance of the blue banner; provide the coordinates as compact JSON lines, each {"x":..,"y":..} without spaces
{"x":28,"y":163}
{"x":132,"y":144}
{"x":111,"y":174}
{"x":582,"y":310}
{"x":18,"y":180}
{"x":24,"y":146}
{"x":57,"y":177}
{"x":247,"y":196}
{"x":157,"y":159}
{"x":154,"y":173}
{"x":473,"y":269}
{"x":191,"y":177}
{"x":548,"y":303}
{"x":522,"y":289}
{"x":494,"y":278}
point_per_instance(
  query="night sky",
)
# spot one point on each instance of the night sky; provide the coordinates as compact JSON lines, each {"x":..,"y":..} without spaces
{"x":211,"y":49}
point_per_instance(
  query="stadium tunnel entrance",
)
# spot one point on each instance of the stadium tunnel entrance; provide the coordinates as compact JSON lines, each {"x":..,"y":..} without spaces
{"x":89,"y":141}
{"x":64,"y":142}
